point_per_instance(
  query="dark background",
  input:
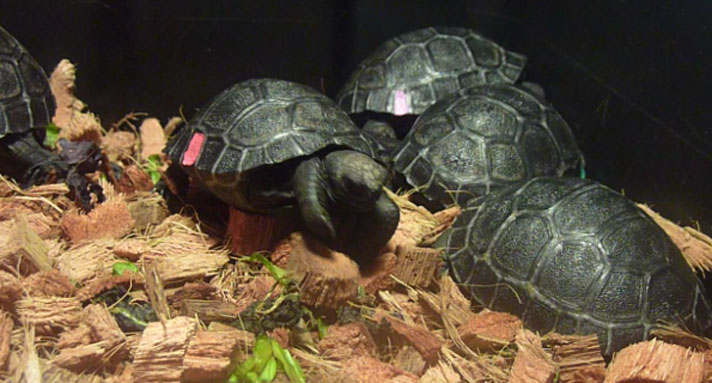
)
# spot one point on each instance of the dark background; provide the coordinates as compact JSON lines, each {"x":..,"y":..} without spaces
{"x":631,"y":77}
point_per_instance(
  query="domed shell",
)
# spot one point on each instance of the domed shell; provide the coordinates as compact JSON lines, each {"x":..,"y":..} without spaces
{"x":256,"y":123}
{"x":410,"y":72}
{"x":482,"y":139}
{"x":26,"y":101}
{"x":573,"y":256}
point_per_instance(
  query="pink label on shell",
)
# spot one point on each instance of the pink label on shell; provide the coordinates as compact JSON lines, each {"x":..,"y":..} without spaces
{"x":400,"y":105}
{"x":191,"y":154}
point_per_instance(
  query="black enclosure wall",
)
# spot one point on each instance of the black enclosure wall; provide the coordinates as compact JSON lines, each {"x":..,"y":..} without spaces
{"x":631,"y":77}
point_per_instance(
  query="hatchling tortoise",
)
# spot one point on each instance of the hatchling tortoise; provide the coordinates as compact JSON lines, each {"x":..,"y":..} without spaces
{"x":26,"y":107}
{"x":572,"y":256}
{"x":410,"y":72}
{"x":483,"y":138}
{"x":268,"y":145}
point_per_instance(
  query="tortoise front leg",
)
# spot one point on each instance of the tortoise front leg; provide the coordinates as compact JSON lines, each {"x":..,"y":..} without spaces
{"x":24,"y":159}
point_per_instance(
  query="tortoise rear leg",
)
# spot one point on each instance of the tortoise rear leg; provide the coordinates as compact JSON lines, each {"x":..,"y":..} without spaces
{"x":24,"y":159}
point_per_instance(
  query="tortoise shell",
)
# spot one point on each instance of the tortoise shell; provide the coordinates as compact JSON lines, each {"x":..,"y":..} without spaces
{"x":26,"y":101}
{"x":573,"y":256}
{"x":408,"y":73}
{"x":483,"y":138}
{"x":252,"y":126}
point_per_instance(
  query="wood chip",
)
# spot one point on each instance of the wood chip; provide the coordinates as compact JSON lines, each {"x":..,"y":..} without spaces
{"x":694,"y":245}
{"x":49,"y":315}
{"x":5,"y":335}
{"x":427,"y":344}
{"x":347,"y":341}
{"x":106,"y":282}
{"x":409,"y":360}
{"x":118,"y":145}
{"x":417,"y":266}
{"x":160,"y":353}
{"x":78,"y":336}
{"x":153,"y":140}
{"x":209,"y":310}
{"x":656,"y":362}
{"x":444,"y":219}
{"x":370,"y":370}
{"x":181,"y":267}
{"x":249,"y":232}
{"x":532,"y":364}
{"x":377,"y":275}
{"x":155,"y":293}
{"x":147,"y":210}
{"x":134,"y":179}
{"x":87,"y":261}
{"x":489,"y":330}
{"x":327,"y":279}
{"x":440,"y":373}
{"x":10,"y":291}
{"x":211,"y":356}
{"x":191,"y":290}
{"x":48,"y":283}
{"x":21,"y":247}
{"x":579,"y":359}
{"x":131,"y":249}
{"x":111,"y":219}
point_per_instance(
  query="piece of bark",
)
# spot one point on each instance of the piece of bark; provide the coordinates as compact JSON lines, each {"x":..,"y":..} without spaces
{"x":489,"y":330}
{"x":250,"y":232}
{"x":153,"y":140}
{"x":87,"y":261}
{"x":149,"y":209}
{"x":10,"y":291}
{"x":5,"y":335}
{"x":48,"y":283}
{"x":578,"y":358}
{"x":427,"y":344}
{"x":209,"y":310}
{"x":22,"y":247}
{"x":49,"y":315}
{"x":417,"y":266}
{"x":181,"y":267}
{"x":409,"y":360}
{"x":155,"y":293}
{"x":211,"y":356}
{"x":104,"y":327}
{"x":440,"y":373}
{"x":377,"y":274}
{"x":134,"y":179}
{"x":78,"y":336}
{"x":327,"y":279}
{"x":694,"y":245}
{"x":110,"y":219}
{"x":257,"y":289}
{"x":347,"y":341}
{"x":118,"y":145}
{"x":84,"y":358}
{"x":131,"y":249}
{"x":656,"y":362}
{"x":532,"y":364}
{"x":444,"y":219}
{"x":370,"y":370}
{"x":191,"y":290}
{"x":159,"y":355}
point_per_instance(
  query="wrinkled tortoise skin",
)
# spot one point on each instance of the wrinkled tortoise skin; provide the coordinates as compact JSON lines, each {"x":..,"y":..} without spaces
{"x":257,"y":123}
{"x":482,"y":139}
{"x":573,"y":256}
{"x":26,"y":101}
{"x":410,"y":72}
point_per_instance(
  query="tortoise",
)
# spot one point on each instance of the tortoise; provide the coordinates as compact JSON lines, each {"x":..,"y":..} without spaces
{"x":571,"y":255}
{"x":26,"y":107}
{"x":270,"y":146}
{"x":410,"y":72}
{"x":483,"y":138}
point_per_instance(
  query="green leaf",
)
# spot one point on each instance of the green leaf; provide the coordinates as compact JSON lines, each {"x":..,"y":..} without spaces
{"x":51,"y":133}
{"x":582,"y":172}
{"x":262,"y":352}
{"x":289,"y":365}
{"x":321,"y":328}
{"x":277,"y":272}
{"x":118,"y":268}
{"x":269,"y":372}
